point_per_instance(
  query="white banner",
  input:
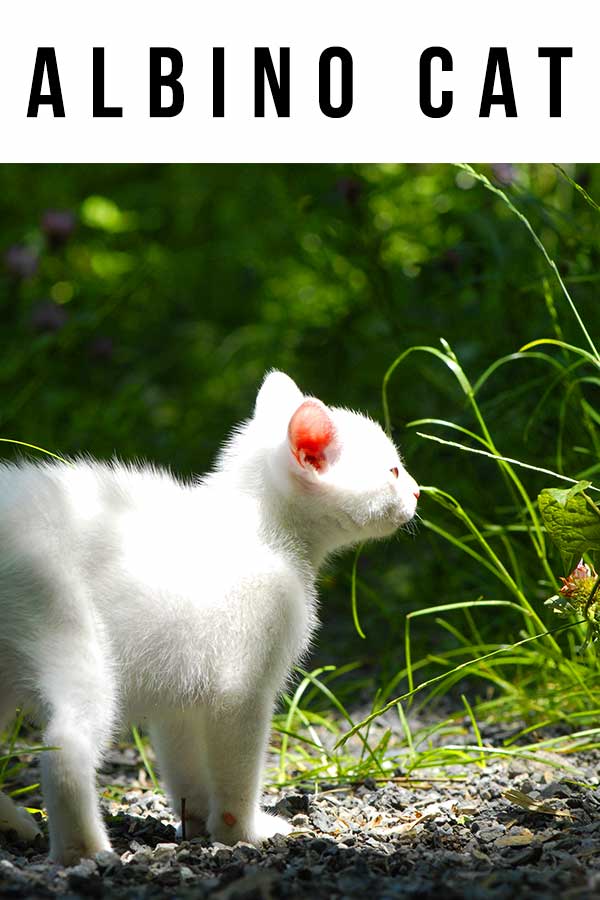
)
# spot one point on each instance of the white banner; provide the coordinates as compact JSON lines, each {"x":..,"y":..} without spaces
{"x":272,"y":81}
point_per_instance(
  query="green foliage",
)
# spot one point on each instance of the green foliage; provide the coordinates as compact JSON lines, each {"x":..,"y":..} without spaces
{"x":141,"y":749}
{"x":536,"y":675}
{"x":572,"y":520}
{"x":143,"y":324}
{"x":13,"y":760}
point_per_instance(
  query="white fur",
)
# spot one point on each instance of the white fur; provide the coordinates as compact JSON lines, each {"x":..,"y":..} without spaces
{"x":126,"y":595}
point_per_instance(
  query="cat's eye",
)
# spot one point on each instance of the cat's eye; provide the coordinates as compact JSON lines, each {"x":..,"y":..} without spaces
{"x":394,"y":471}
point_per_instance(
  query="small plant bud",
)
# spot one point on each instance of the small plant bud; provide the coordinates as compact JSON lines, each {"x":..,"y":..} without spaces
{"x":579,"y":596}
{"x":579,"y":583}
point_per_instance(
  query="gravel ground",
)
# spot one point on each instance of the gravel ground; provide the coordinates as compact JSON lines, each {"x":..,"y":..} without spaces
{"x":455,"y":838}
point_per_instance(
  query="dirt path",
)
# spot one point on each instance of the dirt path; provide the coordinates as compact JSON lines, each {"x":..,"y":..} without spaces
{"x":455,"y":838}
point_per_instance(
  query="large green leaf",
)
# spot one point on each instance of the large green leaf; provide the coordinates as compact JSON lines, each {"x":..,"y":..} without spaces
{"x":572,"y":519}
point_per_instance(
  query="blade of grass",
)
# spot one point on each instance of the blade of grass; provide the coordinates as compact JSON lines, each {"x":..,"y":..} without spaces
{"x":145,"y":759}
{"x":578,"y":187}
{"x":444,"y":607}
{"x":11,"y":744}
{"x":465,"y":665}
{"x":293,"y":708}
{"x":339,"y":706}
{"x":478,"y":176}
{"x":359,"y":630}
{"x":475,"y":726}
{"x":33,"y":447}
{"x":511,"y":357}
{"x":513,"y":462}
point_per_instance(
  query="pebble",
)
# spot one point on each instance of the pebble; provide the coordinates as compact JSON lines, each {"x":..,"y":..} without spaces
{"x":163,"y":852}
{"x":85,"y":879}
{"x":301,"y":821}
{"x":186,"y":874}
{"x":392,"y":841}
{"x":108,"y":860}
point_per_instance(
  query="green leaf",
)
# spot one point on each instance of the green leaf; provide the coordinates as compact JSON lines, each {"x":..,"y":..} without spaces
{"x":578,"y":488}
{"x":571,"y":518}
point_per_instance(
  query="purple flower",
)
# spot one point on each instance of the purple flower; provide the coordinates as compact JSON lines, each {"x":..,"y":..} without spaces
{"x":21,"y":261}
{"x":58,"y":225}
{"x":47,"y":316}
{"x":505,"y":173}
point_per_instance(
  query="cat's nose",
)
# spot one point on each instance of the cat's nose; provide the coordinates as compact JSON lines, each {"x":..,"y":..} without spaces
{"x":414,"y":488}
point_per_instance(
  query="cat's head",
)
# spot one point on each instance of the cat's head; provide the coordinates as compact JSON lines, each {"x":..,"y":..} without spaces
{"x":337,"y":463}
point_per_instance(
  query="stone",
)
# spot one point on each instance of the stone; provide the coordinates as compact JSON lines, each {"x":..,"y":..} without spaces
{"x":163,"y":852}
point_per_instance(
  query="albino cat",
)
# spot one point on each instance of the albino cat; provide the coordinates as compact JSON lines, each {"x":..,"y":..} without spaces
{"x":126,"y":595}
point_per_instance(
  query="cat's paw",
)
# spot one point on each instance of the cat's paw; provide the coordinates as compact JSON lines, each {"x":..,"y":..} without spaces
{"x":71,"y":854}
{"x":228,"y":830}
{"x":18,"y":819}
{"x":27,"y":826}
{"x":266,"y":825}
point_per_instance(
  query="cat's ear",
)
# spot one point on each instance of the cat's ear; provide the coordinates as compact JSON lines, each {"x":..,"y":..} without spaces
{"x":278,"y":395}
{"x":312,"y":437}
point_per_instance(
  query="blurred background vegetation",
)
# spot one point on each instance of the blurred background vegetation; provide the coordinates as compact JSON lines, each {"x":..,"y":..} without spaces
{"x":141,"y":306}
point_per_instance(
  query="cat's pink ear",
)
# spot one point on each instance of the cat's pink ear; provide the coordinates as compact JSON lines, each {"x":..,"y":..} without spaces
{"x":311,"y":434}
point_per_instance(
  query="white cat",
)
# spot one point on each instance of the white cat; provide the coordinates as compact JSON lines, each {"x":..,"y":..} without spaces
{"x":127,"y":595}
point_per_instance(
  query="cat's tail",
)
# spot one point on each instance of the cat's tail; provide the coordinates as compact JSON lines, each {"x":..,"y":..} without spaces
{"x":15,"y":818}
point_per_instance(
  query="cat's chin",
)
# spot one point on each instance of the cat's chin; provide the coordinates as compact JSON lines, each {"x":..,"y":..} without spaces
{"x":382,"y":528}
{"x":386,"y":529}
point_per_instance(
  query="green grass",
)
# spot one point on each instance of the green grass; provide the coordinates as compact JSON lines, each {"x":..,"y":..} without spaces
{"x":14,"y":761}
{"x":141,"y":749}
{"x":476,"y":645}
{"x":533,"y":673}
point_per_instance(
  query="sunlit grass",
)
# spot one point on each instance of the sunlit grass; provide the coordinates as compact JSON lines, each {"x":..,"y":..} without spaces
{"x":533,"y":678}
{"x":524,"y":674}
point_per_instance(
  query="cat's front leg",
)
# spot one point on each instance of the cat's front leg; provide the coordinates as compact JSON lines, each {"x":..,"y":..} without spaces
{"x":178,"y":741}
{"x":236,"y":738}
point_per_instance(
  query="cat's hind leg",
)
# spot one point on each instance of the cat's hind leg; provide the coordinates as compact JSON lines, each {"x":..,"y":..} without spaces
{"x":79,"y":705}
{"x":178,"y":741}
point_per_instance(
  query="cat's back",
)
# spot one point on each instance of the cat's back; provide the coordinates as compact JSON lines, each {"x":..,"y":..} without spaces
{"x":33,"y":502}
{"x":68,"y":509}
{"x":134,"y":526}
